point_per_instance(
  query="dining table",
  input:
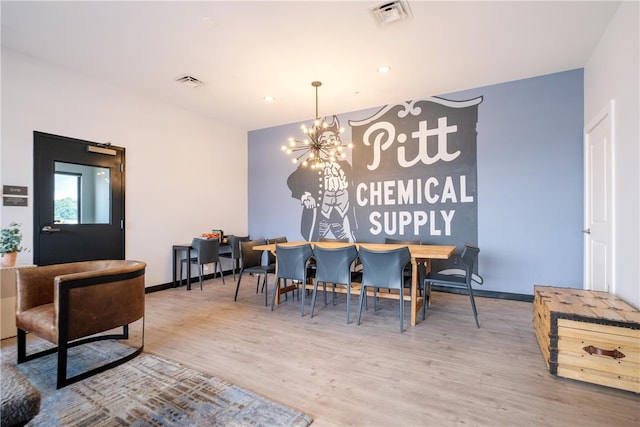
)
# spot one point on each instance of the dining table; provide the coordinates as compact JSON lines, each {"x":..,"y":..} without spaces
{"x":419,"y":253}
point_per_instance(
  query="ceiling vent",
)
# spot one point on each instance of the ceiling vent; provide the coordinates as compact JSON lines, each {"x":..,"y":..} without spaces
{"x":391,"y":11}
{"x":189,"y":81}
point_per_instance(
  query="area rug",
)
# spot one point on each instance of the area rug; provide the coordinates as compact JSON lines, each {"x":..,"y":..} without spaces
{"x":146,"y":391}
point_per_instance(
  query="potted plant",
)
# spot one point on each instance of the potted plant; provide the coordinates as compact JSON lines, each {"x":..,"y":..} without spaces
{"x":10,"y":244}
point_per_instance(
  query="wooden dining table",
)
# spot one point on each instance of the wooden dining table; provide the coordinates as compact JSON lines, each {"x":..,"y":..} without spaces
{"x":419,"y":253}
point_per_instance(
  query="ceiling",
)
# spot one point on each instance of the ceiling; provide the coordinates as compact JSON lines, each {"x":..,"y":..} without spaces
{"x":244,"y":50}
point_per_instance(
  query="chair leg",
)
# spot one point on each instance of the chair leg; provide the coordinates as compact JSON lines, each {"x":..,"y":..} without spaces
{"x":22,"y":346}
{"x":62,"y":364}
{"x":200,"y":271}
{"x":235,"y":298}
{"x":265,"y":285}
{"x":473,"y":305}
{"x":363,"y":293}
{"x":324,"y":291}
{"x":348,"y":300}
{"x":304,"y":291}
{"x":275,"y":293}
{"x":180,"y":273}
{"x":313,"y":297}
{"x":219,"y":265}
{"x":401,"y":311}
{"x":425,"y":300}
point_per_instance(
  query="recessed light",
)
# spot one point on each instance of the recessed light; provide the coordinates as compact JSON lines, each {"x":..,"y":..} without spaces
{"x":269,"y":98}
{"x":384,"y":69}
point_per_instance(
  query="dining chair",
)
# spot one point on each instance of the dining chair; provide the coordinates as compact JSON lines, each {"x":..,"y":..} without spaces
{"x":333,"y":265}
{"x":234,"y":255}
{"x":356,"y":265}
{"x":383,"y":269}
{"x":331,"y":239}
{"x":291,"y":264}
{"x":207,"y":252}
{"x":408,"y":271}
{"x":460,"y":278}
{"x":251,"y":262}
{"x":271,"y":258}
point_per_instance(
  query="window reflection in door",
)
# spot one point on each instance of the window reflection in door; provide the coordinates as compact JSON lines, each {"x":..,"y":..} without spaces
{"x":82,"y":194}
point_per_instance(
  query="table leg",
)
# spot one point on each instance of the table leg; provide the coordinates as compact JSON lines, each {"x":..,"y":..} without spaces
{"x":189,"y":269}
{"x":414,"y":290}
{"x":175,"y":254}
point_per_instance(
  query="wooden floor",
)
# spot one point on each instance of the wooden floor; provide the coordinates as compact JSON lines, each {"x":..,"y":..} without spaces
{"x":441,"y":372}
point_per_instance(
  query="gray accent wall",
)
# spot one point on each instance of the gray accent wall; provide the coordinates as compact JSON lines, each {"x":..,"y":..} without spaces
{"x":529,"y":181}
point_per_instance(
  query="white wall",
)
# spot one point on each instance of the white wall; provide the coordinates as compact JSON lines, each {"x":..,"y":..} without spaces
{"x":613,"y":72}
{"x":178,"y":183}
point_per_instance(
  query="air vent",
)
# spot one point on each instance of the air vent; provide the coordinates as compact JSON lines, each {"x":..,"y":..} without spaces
{"x":189,"y":81}
{"x":391,"y":11}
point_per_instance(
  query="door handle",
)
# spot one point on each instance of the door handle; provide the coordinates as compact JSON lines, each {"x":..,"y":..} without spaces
{"x":50,"y":229}
{"x":587,"y":231}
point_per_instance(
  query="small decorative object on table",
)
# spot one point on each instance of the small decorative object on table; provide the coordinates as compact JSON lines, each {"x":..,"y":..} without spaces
{"x":215,"y":234}
{"x":10,"y":244}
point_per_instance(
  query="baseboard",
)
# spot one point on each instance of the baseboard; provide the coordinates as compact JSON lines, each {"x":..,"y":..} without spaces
{"x":169,"y":285}
{"x":485,"y":294}
{"x":477,"y":292}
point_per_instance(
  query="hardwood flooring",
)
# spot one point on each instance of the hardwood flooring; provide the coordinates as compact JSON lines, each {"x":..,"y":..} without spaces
{"x":441,"y":372}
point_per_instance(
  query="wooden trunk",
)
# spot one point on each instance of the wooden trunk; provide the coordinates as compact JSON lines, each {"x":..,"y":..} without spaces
{"x":588,"y":336}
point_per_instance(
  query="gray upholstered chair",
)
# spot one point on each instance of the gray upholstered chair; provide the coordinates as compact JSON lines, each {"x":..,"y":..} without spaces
{"x":461,"y":280}
{"x":292,"y":263}
{"x":251,"y":262}
{"x":207,"y":252}
{"x":274,"y":240}
{"x":385,"y":270}
{"x":72,"y":304}
{"x":234,"y":255}
{"x":333,"y":265}
{"x":422,"y":268}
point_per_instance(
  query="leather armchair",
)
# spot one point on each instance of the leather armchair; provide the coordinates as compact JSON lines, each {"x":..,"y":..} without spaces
{"x":68,"y":304}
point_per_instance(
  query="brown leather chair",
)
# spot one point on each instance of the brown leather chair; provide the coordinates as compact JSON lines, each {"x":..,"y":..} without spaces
{"x":68,"y":304}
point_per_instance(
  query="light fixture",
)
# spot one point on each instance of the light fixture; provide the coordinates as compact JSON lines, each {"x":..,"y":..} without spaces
{"x":322,"y":144}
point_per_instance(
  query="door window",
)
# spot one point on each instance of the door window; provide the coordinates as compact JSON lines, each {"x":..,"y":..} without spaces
{"x":82,"y":194}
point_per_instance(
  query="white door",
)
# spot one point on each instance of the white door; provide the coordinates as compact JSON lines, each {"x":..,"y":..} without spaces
{"x":598,"y":232}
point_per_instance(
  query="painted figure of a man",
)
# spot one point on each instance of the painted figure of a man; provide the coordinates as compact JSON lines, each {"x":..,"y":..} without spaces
{"x":324,"y":195}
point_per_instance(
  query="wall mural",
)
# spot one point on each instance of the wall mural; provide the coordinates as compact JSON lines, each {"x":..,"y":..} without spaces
{"x":413,"y":176}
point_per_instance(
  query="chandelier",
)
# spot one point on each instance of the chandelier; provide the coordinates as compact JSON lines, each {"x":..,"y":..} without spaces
{"x":322,"y":142}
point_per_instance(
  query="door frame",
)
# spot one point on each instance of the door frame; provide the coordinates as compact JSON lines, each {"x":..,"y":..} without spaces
{"x":37,"y":203}
{"x":606,"y":114}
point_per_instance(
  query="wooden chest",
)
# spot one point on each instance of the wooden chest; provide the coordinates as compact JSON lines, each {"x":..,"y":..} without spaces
{"x":588,"y":336}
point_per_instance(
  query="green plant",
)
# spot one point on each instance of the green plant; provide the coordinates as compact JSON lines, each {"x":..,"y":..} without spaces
{"x":10,"y":239}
